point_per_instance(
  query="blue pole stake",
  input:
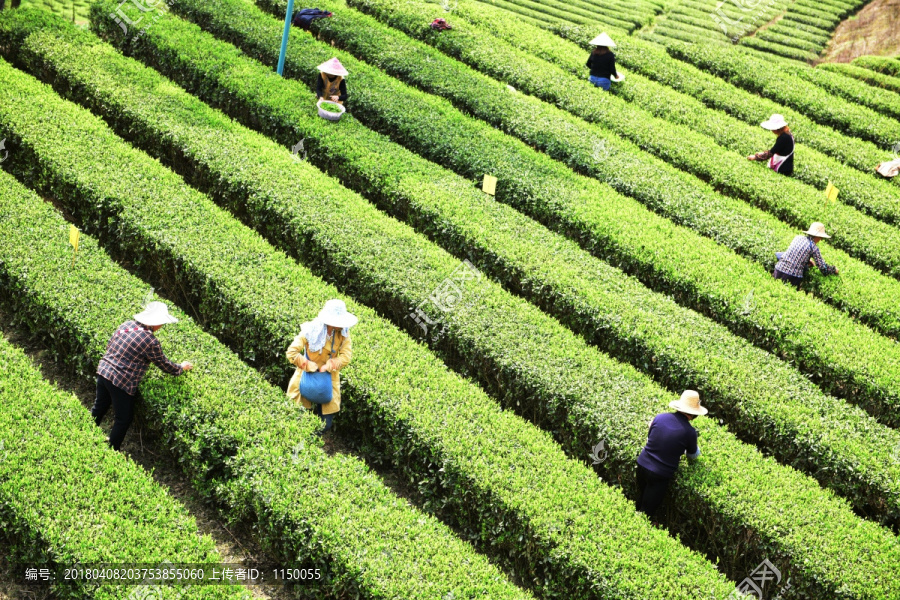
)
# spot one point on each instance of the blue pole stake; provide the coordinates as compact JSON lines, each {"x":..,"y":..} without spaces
{"x":284,"y":38}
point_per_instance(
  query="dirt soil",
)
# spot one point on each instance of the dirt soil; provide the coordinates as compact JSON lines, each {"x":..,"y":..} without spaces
{"x":873,"y":30}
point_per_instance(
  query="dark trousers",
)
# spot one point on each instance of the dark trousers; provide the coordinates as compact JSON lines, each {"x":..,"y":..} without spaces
{"x":122,"y":403}
{"x":651,"y":491}
{"x":791,"y":279}
{"x":327,"y":419}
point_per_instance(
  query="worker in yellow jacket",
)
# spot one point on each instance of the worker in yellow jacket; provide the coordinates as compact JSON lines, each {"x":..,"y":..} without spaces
{"x":323,"y":345}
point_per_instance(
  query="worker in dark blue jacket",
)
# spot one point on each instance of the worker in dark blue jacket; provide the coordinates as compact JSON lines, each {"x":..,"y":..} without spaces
{"x":671,"y":435}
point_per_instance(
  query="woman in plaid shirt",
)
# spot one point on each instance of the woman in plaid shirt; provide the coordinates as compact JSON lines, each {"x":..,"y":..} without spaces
{"x":804,"y":250}
{"x":129,"y":353}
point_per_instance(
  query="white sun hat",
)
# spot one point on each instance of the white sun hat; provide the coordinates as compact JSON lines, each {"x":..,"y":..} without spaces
{"x":156,"y":313}
{"x":335,"y":314}
{"x":689,"y":403}
{"x":603,"y":40}
{"x":774,"y":122}
{"x":817,"y":230}
{"x":333,"y":67}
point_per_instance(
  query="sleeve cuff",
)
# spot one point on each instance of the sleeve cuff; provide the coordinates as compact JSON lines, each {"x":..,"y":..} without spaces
{"x":695,"y":455}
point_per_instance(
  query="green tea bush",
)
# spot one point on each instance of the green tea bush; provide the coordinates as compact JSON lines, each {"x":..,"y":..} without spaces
{"x":825,"y":23}
{"x":865,"y":75}
{"x":67,"y":499}
{"x":361,"y":233}
{"x":879,"y":64}
{"x":542,"y":16}
{"x":756,"y":75}
{"x":471,"y":152}
{"x":779,"y":49}
{"x":504,"y":483}
{"x":789,"y":41}
{"x":795,"y":31}
{"x":729,"y":171}
{"x":236,"y":436}
{"x":456,"y":215}
{"x":885,"y":102}
{"x":653,"y":62}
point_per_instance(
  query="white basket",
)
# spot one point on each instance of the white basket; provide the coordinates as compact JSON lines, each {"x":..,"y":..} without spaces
{"x":331,"y":116}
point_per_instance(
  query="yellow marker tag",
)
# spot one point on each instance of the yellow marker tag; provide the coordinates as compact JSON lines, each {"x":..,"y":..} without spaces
{"x":490,"y":185}
{"x":832,"y":193}
{"x":73,"y":237}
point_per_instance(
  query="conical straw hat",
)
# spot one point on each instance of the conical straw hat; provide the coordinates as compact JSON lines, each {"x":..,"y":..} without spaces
{"x":603,"y":40}
{"x":333,"y":67}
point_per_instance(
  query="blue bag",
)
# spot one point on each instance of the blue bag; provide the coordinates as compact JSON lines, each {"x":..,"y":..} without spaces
{"x":316,"y":386}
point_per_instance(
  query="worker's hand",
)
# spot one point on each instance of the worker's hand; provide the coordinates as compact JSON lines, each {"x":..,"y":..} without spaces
{"x":328,"y":367}
{"x":836,"y":272}
{"x":301,"y":362}
{"x":311,"y":366}
{"x":186,"y":366}
{"x":751,"y":157}
{"x":335,"y":98}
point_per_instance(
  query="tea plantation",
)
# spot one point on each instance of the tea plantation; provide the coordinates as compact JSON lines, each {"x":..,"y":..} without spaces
{"x":513,"y":343}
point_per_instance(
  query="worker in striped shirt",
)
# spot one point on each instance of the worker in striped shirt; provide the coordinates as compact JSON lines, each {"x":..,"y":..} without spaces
{"x":803,"y":251}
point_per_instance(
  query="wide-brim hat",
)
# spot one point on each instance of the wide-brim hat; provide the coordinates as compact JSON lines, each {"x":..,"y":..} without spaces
{"x":689,"y":403}
{"x":333,"y":67}
{"x":817,"y":230}
{"x":156,"y":313}
{"x":774,"y":123}
{"x":335,"y":314}
{"x":603,"y":40}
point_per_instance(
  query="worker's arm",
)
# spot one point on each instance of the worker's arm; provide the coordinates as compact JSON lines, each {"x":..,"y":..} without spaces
{"x":156,"y":356}
{"x":693,"y":449}
{"x":343,"y":89}
{"x":820,"y":262}
{"x":342,"y":359}
{"x":588,"y":63}
{"x":320,"y":87}
{"x":766,"y":155}
{"x":295,"y":354}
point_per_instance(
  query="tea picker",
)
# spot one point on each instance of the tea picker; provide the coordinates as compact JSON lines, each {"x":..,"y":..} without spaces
{"x":670,"y":436}
{"x":803,"y":251}
{"x":602,"y":62}
{"x":330,"y":85}
{"x":319,"y":352}
{"x":129,"y":353}
{"x":781,"y":155}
